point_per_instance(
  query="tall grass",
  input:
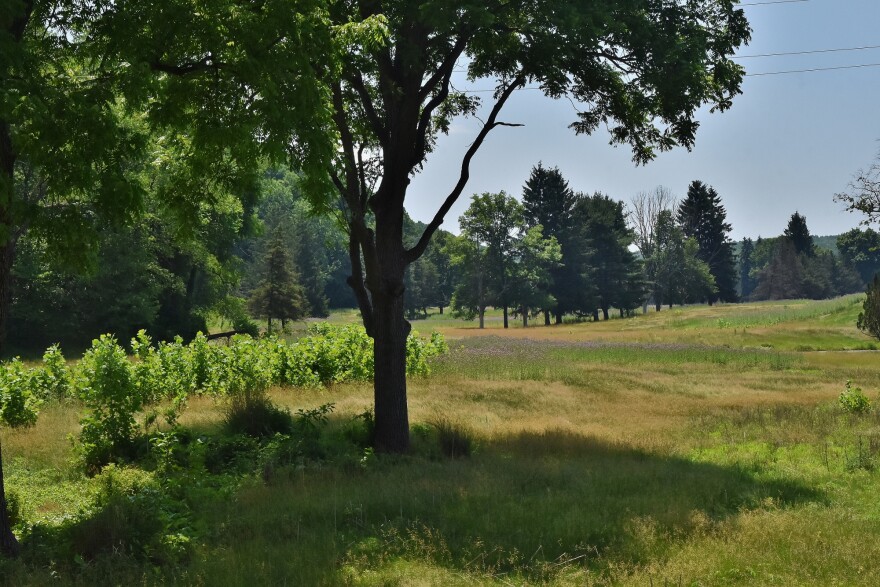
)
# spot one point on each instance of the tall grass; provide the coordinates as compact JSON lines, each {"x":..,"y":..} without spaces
{"x":615,"y":462}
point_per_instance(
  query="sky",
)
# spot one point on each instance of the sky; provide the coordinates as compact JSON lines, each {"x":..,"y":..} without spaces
{"x":789,"y":143}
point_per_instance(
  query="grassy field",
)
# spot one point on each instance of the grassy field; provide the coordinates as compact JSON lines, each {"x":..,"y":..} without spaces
{"x":694,"y":446}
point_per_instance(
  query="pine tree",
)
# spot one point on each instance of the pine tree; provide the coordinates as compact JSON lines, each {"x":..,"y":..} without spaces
{"x":798,"y":233}
{"x":279,"y":294}
{"x":702,"y":217}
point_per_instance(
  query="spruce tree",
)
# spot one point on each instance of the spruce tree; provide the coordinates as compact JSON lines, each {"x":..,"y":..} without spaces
{"x":548,"y":202}
{"x":703,"y":218}
{"x":799,"y":235}
{"x":279,"y":294}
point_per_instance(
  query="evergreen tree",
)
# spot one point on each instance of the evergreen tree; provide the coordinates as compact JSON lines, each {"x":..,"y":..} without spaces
{"x":799,"y":235}
{"x":869,"y":318}
{"x":703,"y":218}
{"x":612,"y":265}
{"x":548,"y":201}
{"x":278,"y":295}
{"x":746,"y":281}
{"x":678,"y":274}
{"x":782,"y":277}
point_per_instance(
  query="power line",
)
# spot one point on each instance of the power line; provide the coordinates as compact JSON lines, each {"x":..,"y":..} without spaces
{"x":863,"y":48}
{"x":813,"y":69}
{"x":773,"y":2}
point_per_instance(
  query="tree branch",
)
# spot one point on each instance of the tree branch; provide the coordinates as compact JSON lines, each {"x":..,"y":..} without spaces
{"x":418,"y":250}
{"x":357,"y":82}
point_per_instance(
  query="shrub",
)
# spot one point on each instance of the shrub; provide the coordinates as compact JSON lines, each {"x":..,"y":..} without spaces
{"x":107,"y":389}
{"x":19,"y":405}
{"x":853,"y":400}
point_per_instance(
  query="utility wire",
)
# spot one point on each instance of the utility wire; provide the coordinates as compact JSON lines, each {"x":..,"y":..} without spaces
{"x":813,"y":69}
{"x":863,"y":48}
{"x":773,"y":2}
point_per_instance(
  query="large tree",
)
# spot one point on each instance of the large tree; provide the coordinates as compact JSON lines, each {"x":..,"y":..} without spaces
{"x":549,"y":202}
{"x":799,"y":235}
{"x":640,"y":69}
{"x":703,"y":218}
{"x":612,"y":265}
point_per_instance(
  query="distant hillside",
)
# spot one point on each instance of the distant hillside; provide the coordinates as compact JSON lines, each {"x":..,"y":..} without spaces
{"x":828,"y":243}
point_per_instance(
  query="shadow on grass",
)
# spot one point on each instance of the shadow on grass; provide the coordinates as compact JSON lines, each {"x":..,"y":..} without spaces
{"x":527,"y":505}
{"x":520,"y":506}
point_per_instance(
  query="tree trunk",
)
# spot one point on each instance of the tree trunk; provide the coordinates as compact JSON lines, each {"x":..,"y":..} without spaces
{"x":559,"y":317}
{"x":546,"y":317}
{"x":8,"y":543}
{"x":605,"y":313}
{"x":390,"y":331}
{"x":595,"y":315}
{"x":621,"y":312}
{"x":505,"y":316}
{"x":441,"y":310}
{"x":389,"y":378}
{"x":525,"y":313}
{"x":482,"y":317}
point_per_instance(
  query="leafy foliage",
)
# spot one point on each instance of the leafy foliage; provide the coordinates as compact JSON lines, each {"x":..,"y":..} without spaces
{"x":853,"y":400}
{"x":869,"y":317}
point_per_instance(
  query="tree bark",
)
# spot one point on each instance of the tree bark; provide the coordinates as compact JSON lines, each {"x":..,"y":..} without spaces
{"x":505,"y":316}
{"x":605,"y":313}
{"x":390,"y":331}
{"x":525,"y":316}
{"x":559,"y":317}
{"x":546,"y":317}
{"x":8,"y":544}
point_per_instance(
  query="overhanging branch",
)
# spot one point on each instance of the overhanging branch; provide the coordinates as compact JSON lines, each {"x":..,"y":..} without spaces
{"x":492,"y":122}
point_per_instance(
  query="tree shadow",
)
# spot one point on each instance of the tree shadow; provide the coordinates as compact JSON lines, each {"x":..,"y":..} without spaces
{"x":522,"y":504}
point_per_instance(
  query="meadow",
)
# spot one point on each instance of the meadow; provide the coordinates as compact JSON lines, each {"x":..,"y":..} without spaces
{"x":694,"y":446}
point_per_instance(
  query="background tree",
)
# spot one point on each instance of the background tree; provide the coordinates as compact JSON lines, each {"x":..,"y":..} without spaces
{"x":608,"y":237}
{"x":746,"y":281}
{"x":279,"y":295}
{"x":869,"y":317}
{"x":679,"y":275}
{"x":861,"y":249}
{"x":471,"y":262}
{"x":799,"y":235}
{"x":535,"y":257}
{"x":495,"y":221}
{"x":703,"y":218}
{"x":782,"y":277}
{"x":644,"y":219}
{"x":644,"y":71}
{"x":548,"y":202}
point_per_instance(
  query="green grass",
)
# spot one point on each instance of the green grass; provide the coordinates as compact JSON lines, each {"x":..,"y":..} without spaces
{"x":670,"y":449}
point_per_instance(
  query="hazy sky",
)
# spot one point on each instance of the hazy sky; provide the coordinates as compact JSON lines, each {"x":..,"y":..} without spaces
{"x":789,"y":143}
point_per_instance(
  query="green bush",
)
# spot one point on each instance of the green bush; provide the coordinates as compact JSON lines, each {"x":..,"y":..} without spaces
{"x":19,"y":404}
{"x":853,"y":400}
{"x":106,"y":386}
